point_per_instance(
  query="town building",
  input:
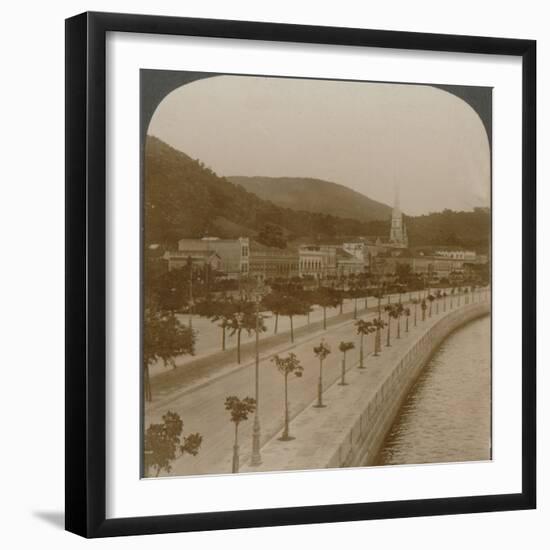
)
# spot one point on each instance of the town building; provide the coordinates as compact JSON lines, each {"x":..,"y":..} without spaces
{"x":234,"y":254}
{"x":318,"y":261}
{"x":273,"y":263}
{"x":348,"y":264}
{"x":198,"y":259}
{"x":457,"y":254}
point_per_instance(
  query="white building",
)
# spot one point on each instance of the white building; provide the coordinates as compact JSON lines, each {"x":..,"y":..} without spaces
{"x":398,"y":229}
{"x":466,"y":255}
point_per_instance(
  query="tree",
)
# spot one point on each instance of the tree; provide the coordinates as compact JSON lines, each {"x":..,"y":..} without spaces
{"x":274,"y":302}
{"x":407,"y":313}
{"x":423,"y":307}
{"x":162,"y":443}
{"x":221,"y":310}
{"x":325,"y":297}
{"x":355,"y":292}
{"x":272,"y":235}
{"x":244,"y":318}
{"x":398,"y":311}
{"x":431,"y":298}
{"x":438,"y":296}
{"x":164,"y":338}
{"x":364,"y":328}
{"x":344,"y":347}
{"x":392,"y":313}
{"x":293,"y":303}
{"x":403,"y":272}
{"x":286,"y":366}
{"x":321,"y":351}
{"x":168,"y":290}
{"x":239,"y":409}
{"x":379,"y":324}
{"x":415,"y":302}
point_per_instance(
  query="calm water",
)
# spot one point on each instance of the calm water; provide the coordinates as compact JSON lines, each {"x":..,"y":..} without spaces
{"x":447,"y":415}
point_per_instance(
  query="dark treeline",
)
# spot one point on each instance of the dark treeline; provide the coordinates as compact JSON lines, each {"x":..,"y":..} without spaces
{"x":184,"y":198}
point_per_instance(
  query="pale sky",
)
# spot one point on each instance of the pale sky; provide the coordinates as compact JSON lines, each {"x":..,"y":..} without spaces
{"x":366,"y":136}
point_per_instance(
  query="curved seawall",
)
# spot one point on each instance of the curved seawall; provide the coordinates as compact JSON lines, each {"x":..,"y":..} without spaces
{"x":351,"y":430}
{"x":365,"y":439}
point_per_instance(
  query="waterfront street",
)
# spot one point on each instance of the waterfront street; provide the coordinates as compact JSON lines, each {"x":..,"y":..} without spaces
{"x":201,"y":403}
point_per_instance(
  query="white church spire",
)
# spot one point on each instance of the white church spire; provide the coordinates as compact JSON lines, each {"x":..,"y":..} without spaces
{"x":398,"y":231}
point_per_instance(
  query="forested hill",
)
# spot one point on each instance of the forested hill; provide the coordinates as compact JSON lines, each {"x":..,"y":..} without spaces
{"x":184,"y":198}
{"x":314,"y":195}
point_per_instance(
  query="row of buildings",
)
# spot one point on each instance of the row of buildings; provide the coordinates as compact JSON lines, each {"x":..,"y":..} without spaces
{"x":243,"y":257}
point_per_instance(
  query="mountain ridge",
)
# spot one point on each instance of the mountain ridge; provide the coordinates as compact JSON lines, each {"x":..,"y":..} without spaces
{"x":315,"y":195}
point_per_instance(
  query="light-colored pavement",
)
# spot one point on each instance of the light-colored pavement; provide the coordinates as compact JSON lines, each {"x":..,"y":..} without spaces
{"x":209,"y":334}
{"x":203,"y":410}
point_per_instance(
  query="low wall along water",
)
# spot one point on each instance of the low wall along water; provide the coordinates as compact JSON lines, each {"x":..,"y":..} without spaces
{"x":351,"y":430}
{"x":366,"y":437}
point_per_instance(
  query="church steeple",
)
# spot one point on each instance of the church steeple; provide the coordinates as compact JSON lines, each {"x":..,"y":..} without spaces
{"x":398,"y":231}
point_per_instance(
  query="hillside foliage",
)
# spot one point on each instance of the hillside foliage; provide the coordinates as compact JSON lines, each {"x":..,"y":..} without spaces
{"x":186,"y":199}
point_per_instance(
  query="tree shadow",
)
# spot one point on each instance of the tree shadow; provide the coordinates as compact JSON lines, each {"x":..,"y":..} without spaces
{"x":55,"y":518}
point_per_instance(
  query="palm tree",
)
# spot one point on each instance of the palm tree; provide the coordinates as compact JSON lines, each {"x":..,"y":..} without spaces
{"x":407,"y":313}
{"x":437,"y":298}
{"x":423,"y":306}
{"x":415,"y":302}
{"x":245,"y":318}
{"x":286,"y":366}
{"x":398,"y":312}
{"x":431,"y":298}
{"x":392,"y":312}
{"x":321,"y":352}
{"x":344,"y":347}
{"x":378,"y":325}
{"x":364,"y":328}
{"x":239,"y":409}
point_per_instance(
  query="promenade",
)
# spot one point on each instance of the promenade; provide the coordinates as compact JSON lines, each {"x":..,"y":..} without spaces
{"x":200,"y":400}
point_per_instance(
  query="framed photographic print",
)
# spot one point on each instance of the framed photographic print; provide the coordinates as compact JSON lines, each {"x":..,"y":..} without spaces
{"x":300,"y":274}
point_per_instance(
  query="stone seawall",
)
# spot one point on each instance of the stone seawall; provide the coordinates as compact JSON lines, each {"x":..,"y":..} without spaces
{"x":350,"y":431}
{"x":363,"y":441}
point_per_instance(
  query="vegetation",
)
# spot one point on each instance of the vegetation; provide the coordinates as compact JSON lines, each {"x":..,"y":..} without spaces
{"x":164,"y":338}
{"x":321,"y":351}
{"x":364,"y":328}
{"x":244,"y":317}
{"x":184,"y":198}
{"x":162,"y":443}
{"x":326,"y":297}
{"x":239,"y":409}
{"x":378,"y":326}
{"x":286,"y":366}
{"x":344,"y":347}
{"x":315,"y":195}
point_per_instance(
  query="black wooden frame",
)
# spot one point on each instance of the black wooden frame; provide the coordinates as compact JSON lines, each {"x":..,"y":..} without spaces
{"x":85,"y":274}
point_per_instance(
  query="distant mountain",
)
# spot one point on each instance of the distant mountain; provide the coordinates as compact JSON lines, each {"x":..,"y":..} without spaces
{"x":185,"y":198}
{"x":314,"y":195}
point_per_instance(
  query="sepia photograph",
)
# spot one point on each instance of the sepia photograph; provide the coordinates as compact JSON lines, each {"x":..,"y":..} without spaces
{"x":316,"y":274}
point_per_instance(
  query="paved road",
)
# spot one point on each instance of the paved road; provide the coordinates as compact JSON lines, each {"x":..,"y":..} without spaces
{"x":203,"y":410}
{"x":209,"y":335}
